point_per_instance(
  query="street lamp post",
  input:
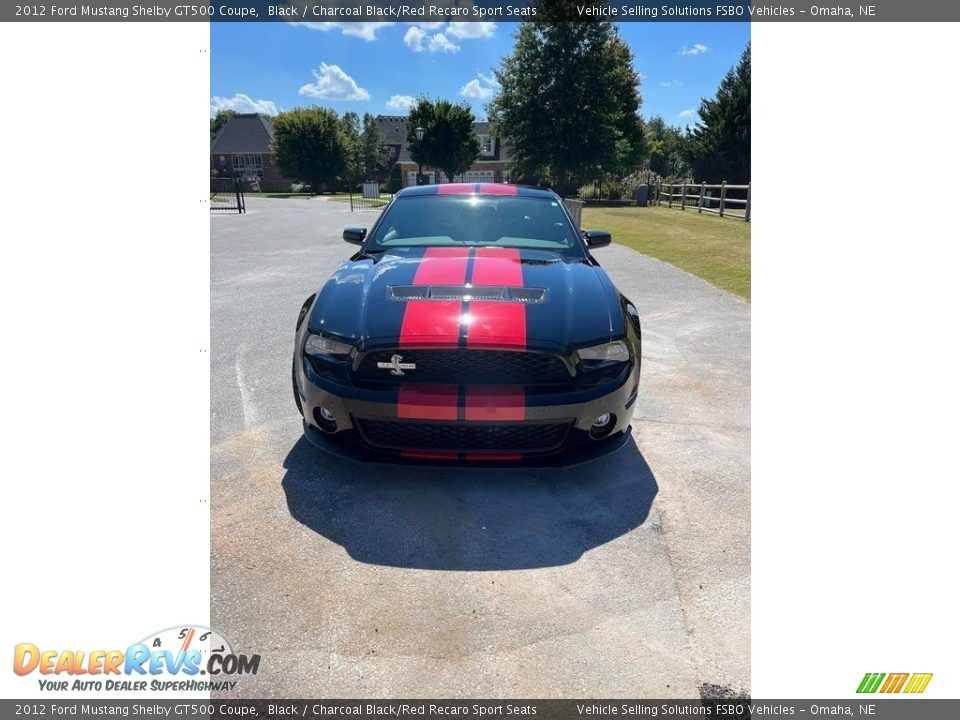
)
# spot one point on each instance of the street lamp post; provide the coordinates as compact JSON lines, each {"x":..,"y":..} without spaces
{"x":419,"y":132}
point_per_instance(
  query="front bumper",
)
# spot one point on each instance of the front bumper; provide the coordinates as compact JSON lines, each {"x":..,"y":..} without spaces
{"x":504,"y":413}
{"x":348,"y":446}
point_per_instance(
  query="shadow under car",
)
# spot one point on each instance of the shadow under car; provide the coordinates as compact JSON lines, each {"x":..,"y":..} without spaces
{"x":467,"y":518}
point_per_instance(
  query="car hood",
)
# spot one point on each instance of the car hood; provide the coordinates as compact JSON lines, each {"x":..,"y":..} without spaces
{"x":534,"y":299}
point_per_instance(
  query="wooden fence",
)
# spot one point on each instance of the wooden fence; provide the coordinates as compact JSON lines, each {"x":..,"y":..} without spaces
{"x":723,"y":199}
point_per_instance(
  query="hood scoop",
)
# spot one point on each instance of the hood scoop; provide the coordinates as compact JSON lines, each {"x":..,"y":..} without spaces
{"x":405,"y":293}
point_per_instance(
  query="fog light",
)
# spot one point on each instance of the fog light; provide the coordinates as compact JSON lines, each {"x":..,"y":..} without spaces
{"x":325,"y":419}
{"x":602,"y":426}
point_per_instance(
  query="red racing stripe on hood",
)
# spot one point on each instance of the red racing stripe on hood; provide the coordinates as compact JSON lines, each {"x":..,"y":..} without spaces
{"x":497,"y":324}
{"x":435,"y":322}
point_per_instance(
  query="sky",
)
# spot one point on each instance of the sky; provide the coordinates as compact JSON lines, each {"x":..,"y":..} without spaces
{"x":381,"y":67}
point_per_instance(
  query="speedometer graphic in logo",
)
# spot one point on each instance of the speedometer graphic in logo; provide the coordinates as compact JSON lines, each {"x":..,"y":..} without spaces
{"x":182,"y":641}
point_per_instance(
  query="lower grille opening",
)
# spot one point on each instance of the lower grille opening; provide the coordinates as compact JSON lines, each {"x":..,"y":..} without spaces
{"x":478,"y":437}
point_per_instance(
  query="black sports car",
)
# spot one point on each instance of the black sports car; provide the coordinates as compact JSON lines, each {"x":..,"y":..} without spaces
{"x":472,"y":325}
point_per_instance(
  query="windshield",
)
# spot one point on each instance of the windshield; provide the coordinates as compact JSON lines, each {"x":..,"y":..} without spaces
{"x":473,"y":220}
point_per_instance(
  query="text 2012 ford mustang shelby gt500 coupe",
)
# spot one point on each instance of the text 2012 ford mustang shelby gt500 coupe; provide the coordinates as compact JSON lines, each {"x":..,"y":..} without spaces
{"x":472,"y":325}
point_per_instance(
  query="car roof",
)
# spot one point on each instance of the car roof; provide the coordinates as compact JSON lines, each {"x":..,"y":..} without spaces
{"x":476,"y":189}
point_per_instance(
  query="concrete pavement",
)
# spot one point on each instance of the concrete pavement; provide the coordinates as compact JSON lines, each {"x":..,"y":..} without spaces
{"x":627,"y":577}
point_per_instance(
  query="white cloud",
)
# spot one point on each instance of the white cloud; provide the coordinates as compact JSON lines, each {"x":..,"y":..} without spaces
{"x":242,"y":104}
{"x":472,"y":30}
{"x":333,"y":84}
{"x":365,"y":30}
{"x":688,"y":113}
{"x":482,"y":87}
{"x":414,"y":39}
{"x":473,"y":89}
{"x":670,"y":83}
{"x":418,"y":41}
{"x":439,"y":43}
{"x":697,"y":49}
{"x":402,"y":103}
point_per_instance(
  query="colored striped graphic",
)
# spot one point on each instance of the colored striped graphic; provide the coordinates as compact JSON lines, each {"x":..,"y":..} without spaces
{"x":894,"y":683}
{"x":918,"y":683}
{"x":870,"y":682}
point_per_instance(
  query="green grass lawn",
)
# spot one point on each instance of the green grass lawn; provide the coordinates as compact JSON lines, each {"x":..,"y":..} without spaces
{"x":715,"y":249}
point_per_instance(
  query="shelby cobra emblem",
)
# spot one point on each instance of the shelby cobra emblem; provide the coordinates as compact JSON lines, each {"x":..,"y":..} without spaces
{"x":395,"y":366}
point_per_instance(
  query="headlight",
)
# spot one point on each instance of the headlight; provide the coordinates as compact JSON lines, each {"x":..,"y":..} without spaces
{"x":320,"y":345}
{"x":615,"y":351}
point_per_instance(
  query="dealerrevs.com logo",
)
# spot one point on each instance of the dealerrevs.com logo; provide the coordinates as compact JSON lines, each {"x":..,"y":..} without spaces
{"x":182,"y":658}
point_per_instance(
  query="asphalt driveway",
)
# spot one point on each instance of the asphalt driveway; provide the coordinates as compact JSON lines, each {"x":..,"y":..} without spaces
{"x":627,"y":577}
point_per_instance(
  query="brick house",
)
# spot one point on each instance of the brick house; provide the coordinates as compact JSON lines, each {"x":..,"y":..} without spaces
{"x":491,"y":166}
{"x":243,"y":149}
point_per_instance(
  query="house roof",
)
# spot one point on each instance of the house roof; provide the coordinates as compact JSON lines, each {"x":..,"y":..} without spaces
{"x":244,"y":133}
{"x":394,"y":129}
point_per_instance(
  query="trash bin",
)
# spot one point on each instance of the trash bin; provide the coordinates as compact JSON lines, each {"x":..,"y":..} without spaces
{"x":643,"y":195}
{"x":575,"y":208}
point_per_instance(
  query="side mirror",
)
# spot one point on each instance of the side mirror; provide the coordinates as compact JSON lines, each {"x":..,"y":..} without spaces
{"x":597,"y":238}
{"x":355,"y":235}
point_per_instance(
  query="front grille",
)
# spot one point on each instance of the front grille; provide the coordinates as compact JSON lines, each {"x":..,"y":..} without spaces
{"x":525,"y":437}
{"x":466,"y":367}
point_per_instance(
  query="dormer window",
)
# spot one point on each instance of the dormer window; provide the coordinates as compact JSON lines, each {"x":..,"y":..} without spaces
{"x":486,"y":144}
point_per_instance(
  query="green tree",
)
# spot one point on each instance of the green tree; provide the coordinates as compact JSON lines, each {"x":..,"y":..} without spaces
{"x":217,"y":122}
{"x":719,"y":145}
{"x":449,"y":143}
{"x":373,"y":147}
{"x":353,"y":165}
{"x":569,"y":101}
{"x":396,"y":178}
{"x":666,"y":148}
{"x":310,"y":145}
